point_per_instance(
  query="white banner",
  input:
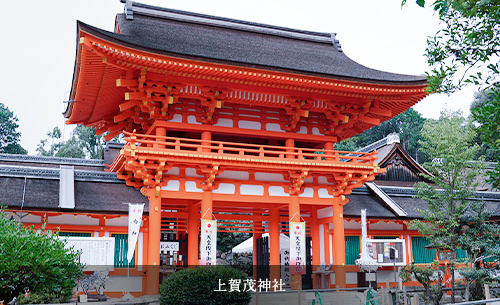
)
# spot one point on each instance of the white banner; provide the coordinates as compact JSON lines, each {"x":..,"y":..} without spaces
{"x":134,"y":225}
{"x":297,"y":247}
{"x":208,"y":245}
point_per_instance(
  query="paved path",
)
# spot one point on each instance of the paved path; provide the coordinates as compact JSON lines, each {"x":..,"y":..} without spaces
{"x":307,"y":296}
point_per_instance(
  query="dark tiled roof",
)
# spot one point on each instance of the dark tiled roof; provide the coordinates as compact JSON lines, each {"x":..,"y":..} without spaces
{"x":43,"y":194}
{"x":234,"y":42}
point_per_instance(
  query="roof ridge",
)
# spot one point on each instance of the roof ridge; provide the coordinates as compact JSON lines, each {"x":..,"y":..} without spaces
{"x":52,"y":160}
{"x":179,"y":15}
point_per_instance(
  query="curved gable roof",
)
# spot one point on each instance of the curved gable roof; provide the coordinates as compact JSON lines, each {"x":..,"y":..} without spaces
{"x":223,"y":40}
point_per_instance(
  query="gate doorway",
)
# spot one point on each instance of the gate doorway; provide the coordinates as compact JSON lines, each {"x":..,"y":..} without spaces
{"x":263,"y":258}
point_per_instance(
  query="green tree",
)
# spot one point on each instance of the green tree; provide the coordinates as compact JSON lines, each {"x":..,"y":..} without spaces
{"x":466,"y":51}
{"x":452,"y":220}
{"x":486,"y":111}
{"x":407,"y":124}
{"x":35,"y":261}
{"x":9,"y":136}
{"x":83,"y":143}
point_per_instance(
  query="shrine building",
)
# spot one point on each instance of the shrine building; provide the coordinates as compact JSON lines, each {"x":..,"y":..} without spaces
{"x":233,"y":120}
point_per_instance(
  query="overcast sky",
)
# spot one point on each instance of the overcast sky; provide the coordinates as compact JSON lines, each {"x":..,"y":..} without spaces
{"x":38,"y":45}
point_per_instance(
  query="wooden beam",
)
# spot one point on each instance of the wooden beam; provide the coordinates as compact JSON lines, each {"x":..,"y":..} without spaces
{"x":129,"y":104}
{"x":122,"y":116}
{"x":121,"y":82}
{"x":372,"y":121}
{"x":382,"y":112}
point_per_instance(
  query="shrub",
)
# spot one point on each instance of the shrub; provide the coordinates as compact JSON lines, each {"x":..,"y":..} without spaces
{"x":39,"y":298}
{"x":198,"y":285}
{"x":36,"y":261}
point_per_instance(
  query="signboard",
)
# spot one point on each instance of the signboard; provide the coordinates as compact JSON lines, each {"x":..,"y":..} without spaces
{"x":297,"y":247}
{"x":98,"y":253}
{"x":380,"y":250}
{"x":134,"y":225}
{"x":285,"y":267}
{"x":208,"y":246}
{"x":169,"y":246}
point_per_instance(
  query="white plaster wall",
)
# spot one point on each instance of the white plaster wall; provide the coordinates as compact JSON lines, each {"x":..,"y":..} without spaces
{"x":191,"y":172}
{"x":191,"y":187}
{"x":174,"y":171}
{"x":277,"y":191}
{"x":249,"y":125}
{"x":225,"y":188}
{"x":172,"y":185}
{"x":273,"y":127}
{"x":68,"y":219}
{"x":385,"y":226}
{"x":323,"y":193}
{"x":177,"y":118}
{"x":325,"y":212}
{"x":303,"y":130}
{"x":234,"y":175}
{"x":269,"y":177}
{"x":351,"y":225}
{"x":224,"y":123}
{"x":308,"y":192}
{"x":323,"y":180}
{"x":192,"y":120}
{"x":27,"y":218}
{"x":121,"y":221}
{"x":250,"y":189}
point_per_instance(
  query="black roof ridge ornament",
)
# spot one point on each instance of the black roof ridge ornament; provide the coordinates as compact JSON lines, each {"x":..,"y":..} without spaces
{"x":335,"y":42}
{"x":127,"y":10}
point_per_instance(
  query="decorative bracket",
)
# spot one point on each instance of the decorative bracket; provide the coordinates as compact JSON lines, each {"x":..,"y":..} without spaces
{"x":296,"y":109}
{"x":296,"y":181}
{"x":209,"y":172}
{"x":214,"y":99}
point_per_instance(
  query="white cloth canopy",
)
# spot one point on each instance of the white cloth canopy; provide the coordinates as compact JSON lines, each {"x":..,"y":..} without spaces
{"x":247,"y":245}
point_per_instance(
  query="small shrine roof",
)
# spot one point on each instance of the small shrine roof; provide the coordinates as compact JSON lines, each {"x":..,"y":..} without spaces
{"x":241,"y":43}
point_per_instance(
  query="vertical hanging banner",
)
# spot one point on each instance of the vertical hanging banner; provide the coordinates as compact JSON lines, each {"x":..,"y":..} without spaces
{"x":208,"y":246}
{"x":297,"y":247}
{"x":134,"y":225}
{"x":285,"y":267}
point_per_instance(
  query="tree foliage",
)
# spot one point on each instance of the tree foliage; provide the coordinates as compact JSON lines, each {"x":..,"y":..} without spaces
{"x":407,"y":125}
{"x":9,"y":136}
{"x":466,"y":51}
{"x":84,"y":142}
{"x":427,"y":276}
{"x":453,"y":219}
{"x":486,"y":112}
{"x":35,"y":261}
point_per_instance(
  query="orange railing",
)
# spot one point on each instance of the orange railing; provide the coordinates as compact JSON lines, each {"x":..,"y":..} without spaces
{"x":252,"y":151}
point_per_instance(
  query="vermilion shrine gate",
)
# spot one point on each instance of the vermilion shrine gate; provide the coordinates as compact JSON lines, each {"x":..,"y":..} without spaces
{"x":233,"y":120}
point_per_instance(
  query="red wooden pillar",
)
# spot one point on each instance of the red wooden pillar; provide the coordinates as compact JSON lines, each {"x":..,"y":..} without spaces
{"x":153,"y":278}
{"x":316,"y":256}
{"x":193,"y":231}
{"x":274,"y":240}
{"x":339,"y":242}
